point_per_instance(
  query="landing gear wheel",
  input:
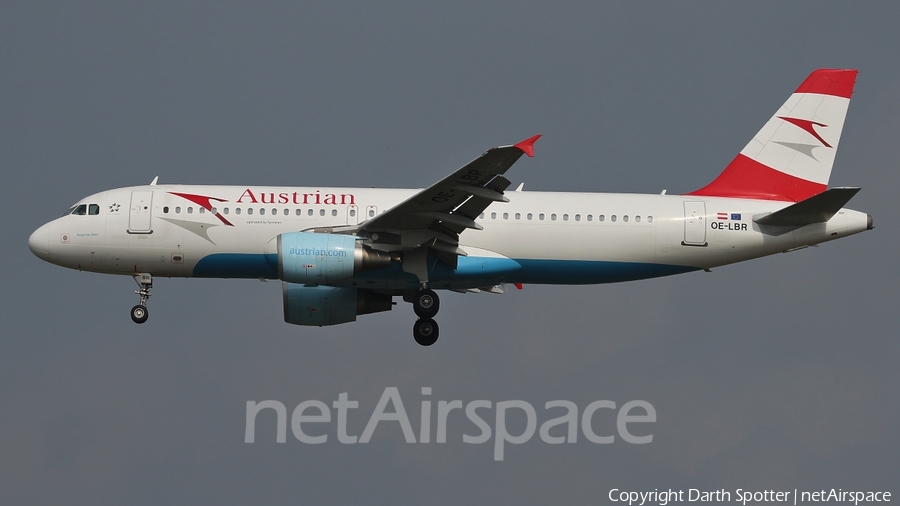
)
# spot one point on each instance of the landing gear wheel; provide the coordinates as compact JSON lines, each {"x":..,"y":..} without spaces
{"x":139,"y":314}
{"x":426,"y":303}
{"x":425,"y":331}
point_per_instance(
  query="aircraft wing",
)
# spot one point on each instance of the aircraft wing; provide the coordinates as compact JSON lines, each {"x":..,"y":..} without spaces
{"x":436,"y":216}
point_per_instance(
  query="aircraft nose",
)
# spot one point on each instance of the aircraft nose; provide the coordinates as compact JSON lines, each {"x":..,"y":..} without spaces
{"x":39,"y":242}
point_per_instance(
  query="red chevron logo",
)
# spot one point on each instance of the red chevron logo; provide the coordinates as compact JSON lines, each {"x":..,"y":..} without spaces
{"x":807,"y":125}
{"x":204,"y":202}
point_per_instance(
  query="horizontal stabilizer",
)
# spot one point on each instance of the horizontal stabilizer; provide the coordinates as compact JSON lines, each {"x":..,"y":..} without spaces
{"x":816,"y":209}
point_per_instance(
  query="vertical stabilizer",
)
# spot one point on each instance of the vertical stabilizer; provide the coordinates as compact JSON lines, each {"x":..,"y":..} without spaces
{"x":790,"y":158}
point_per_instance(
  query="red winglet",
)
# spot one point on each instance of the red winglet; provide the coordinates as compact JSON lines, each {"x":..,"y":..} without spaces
{"x":518,"y":285}
{"x":527,"y":146}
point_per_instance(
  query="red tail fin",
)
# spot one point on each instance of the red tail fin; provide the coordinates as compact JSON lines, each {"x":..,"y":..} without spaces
{"x":790,"y":158}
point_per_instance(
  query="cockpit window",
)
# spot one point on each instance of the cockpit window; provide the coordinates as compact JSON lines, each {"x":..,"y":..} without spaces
{"x":80,"y":210}
{"x":93,"y":209}
{"x":69,"y":211}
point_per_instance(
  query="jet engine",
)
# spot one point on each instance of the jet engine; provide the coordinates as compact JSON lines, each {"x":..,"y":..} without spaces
{"x":329,"y":305}
{"x":321,"y":259}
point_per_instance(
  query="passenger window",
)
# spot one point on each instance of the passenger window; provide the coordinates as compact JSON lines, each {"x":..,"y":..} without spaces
{"x":287,"y":211}
{"x":601,"y":218}
{"x":249,"y":210}
{"x":553,"y":216}
{"x":518,"y":216}
{"x":334,"y":212}
{"x":541,"y":216}
{"x":309,"y":213}
{"x":298,"y":212}
{"x":612,"y":218}
{"x":577,"y":217}
{"x":649,"y":219}
{"x":166,"y":210}
{"x":565,"y":217}
{"x":352,"y":213}
{"x":275,"y":212}
{"x":262,"y":211}
{"x":529,"y":216}
{"x":190,"y":210}
{"x":225,"y":210}
{"x":201,"y":210}
{"x":371,"y":213}
{"x":237,"y":210}
{"x":493,"y":216}
{"x":637,"y":219}
{"x":590,"y":217}
{"x":177,"y":209}
{"x":213,"y":210}
{"x":505,"y":216}
{"x":625,"y":218}
{"x":321,"y":212}
{"x":481,"y":216}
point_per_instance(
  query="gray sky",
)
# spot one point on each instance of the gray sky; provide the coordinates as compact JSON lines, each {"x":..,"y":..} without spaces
{"x":778,"y":373}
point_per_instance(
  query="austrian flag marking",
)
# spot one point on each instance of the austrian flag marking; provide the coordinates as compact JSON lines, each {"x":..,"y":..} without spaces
{"x":728,"y":221}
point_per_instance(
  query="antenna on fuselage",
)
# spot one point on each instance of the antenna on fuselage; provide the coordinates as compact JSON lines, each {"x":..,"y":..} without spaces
{"x":519,"y":188}
{"x":153,"y":183}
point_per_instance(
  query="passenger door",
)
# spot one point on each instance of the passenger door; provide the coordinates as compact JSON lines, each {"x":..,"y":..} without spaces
{"x":694,"y":223}
{"x":139,"y":215}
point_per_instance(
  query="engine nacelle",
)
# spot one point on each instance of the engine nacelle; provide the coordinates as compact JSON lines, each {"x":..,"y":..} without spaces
{"x":314,"y":258}
{"x":329,"y":305}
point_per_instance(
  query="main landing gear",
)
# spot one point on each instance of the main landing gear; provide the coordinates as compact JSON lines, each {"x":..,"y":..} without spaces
{"x":426,"y":305}
{"x":139,"y":313}
{"x":425,"y":331}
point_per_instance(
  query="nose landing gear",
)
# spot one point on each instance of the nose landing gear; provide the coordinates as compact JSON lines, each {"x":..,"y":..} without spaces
{"x":139,"y":313}
{"x":426,"y":305}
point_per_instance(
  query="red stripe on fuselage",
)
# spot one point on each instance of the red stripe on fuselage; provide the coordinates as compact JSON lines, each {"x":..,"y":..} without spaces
{"x":746,"y":178}
{"x":204,"y":202}
{"x":219,"y":215}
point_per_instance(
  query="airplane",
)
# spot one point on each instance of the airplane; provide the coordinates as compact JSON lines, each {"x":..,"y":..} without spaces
{"x":345,"y":252}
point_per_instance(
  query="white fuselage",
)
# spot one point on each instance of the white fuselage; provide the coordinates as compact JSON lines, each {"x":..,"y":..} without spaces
{"x":345,"y":252}
{"x":557,"y":238}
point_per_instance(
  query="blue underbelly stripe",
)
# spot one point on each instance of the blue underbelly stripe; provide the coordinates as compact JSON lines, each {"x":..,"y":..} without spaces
{"x":473,"y":271}
{"x":237,"y":265}
{"x":588,"y":272}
